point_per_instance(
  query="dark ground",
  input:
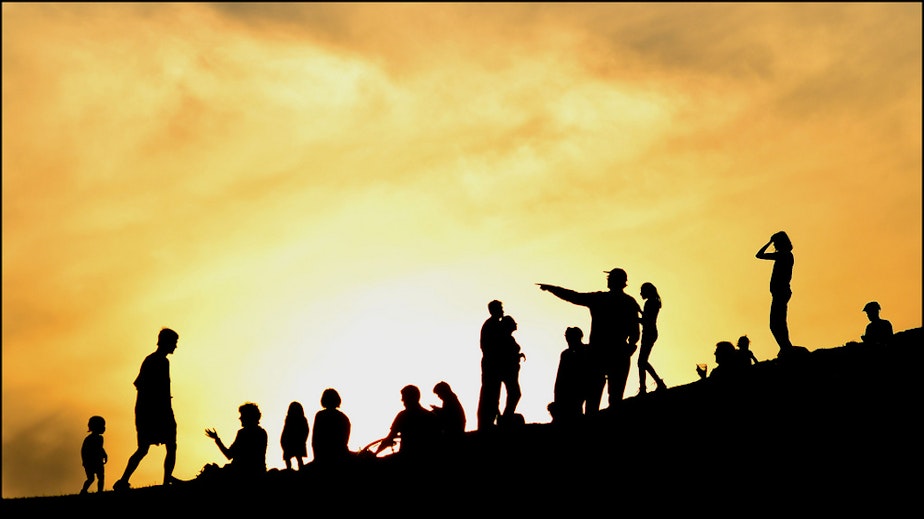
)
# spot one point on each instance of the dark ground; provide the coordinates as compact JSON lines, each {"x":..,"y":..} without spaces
{"x":831,"y":431}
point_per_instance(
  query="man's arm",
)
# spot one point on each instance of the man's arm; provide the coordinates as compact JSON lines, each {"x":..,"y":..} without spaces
{"x":565,"y":294}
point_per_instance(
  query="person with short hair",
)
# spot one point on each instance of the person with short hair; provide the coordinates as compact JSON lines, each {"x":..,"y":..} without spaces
{"x":879,"y":330}
{"x":93,"y":455}
{"x":154,"y":420}
{"x":248,"y":452}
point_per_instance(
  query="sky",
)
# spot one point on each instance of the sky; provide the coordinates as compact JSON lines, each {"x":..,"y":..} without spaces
{"x":328,"y":195}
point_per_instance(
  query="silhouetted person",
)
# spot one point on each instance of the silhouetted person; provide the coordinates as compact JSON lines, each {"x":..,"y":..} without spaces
{"x":331,"y":436}
{"x":294,"y":439}
{"x":497,"y":366}
{"x":417,"y":427}
{"x":649,"y":335}
{"x":726,"y":359}
{"x":614,"y":334}
{"x":780,"y":290}
{"x":248,"y":452}
{"x":744,"y":351}
{"x":878,"y":331}
{"x":451,"y":415}
{"x":93,"y":455}
{"x":571,"y":379}
{"x":510,"y":370}
{"x":154,"y":420}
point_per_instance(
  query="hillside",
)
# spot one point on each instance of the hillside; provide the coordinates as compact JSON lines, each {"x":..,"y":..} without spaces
{"x":834,"y":429}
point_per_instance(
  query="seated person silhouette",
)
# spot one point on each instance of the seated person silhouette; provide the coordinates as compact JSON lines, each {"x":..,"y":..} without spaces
{"x":727,"y":361}
{"x":451,"y":415}
{"x":331,"y":436}
{"x":744,"y":351}
{"x":571,"y":379}
{"x":879,"y":330}
{"x":248,"y":452}
{"x":417,"y":427}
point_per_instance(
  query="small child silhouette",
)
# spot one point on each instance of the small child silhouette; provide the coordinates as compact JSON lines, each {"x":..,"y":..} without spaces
{"x":744,"y":349}
{"x":294,"y":440}
{"x":93,"y":455}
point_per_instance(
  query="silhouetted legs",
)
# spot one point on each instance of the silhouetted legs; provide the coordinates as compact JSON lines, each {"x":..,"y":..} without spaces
{"x":94,"y":473}
{"x":618,"y":377}
{"x":778,"y":326}
{"x":512,"y":386}
{"x":488,"y":399}
{"x":644,"y":367}
{"x":140,"y":453}
{"x":607,"y":368}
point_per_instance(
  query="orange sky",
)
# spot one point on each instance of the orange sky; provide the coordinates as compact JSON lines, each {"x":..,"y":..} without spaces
{"x":328,"y":195}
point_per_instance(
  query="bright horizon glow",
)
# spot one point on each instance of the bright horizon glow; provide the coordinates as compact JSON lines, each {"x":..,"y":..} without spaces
{"x":328,"y":195}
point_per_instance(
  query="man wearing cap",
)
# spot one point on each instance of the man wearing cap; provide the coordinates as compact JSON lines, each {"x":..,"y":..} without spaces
{"x":878,"y":331}
{"x":614,"y":334}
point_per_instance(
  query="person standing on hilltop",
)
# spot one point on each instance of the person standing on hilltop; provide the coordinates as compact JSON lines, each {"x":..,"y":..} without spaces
{"x":93,"y":455}
{"x":614,"y":334}
{"x":154,"y":420}
{"x":780,"y":290}
{"x":494,"y":342}
{"x":649,"y":335}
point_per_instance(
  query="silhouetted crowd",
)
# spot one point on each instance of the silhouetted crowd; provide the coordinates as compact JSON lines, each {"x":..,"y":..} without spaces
{"x":618,"y":324}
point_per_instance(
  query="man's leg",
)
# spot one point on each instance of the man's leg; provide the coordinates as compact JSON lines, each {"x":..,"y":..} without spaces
{"x":133,"y":462}
{"x":617,"y":377}
{"x":488,"y":400}
{"x":170,"y":463}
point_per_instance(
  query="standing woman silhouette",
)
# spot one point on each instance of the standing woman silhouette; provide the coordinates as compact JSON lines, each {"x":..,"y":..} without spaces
{"x":780,"y":290}
{"x":649,"y":335}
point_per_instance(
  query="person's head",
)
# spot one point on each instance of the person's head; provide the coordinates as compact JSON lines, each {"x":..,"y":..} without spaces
{"x":781,"y":241}
{"x":250,"y":414}
{"x":442,"y":390}
{"x":330,"y":399}
{"x":574,"y":336}
{"x":97,"y":424}
{"x":743,"y":342}
{"x":872,"y":310}
{"x":167,"y":339}
{"x":616,"y":279}
{"x":296,"y":409}
{"x":508,"y":324}
{"x":648,"y":290}
{"x":724,"y":350}
{"x":496,"y":308}
{"x":410,"y":395}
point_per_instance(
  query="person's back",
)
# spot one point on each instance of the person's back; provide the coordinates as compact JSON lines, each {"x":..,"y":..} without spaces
{"x":329,"y":441}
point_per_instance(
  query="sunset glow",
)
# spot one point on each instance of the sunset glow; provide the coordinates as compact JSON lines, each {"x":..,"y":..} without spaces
{"x":328,"y":195}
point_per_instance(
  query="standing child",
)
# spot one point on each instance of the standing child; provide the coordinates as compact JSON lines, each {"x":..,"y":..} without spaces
{"x":295,"y":436}
{"x":744,"y":348}
{"x":93,"y":455}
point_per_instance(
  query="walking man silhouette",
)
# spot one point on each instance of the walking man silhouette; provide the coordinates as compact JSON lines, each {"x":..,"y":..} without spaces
{"x":614,"y":335}
{"x":154,"y":420}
